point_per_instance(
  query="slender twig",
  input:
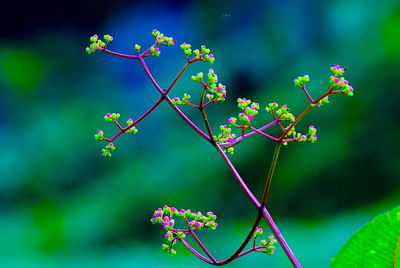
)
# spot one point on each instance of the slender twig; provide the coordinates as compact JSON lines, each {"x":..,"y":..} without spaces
{"x":260,"y":206}
{"x":271,"y":172}
{"x":263,"y":134}
{"x":119,"y":54}
{"x":308,"y":94}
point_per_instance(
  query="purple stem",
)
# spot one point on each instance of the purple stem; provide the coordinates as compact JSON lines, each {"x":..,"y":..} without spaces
{"x":248,"y":135}
{"x":308,"y":94}
{"x":228,"y":162}
{"x":137,"y":120}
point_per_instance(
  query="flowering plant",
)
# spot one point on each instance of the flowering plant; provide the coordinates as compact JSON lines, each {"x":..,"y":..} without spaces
{"x":213,"y":91}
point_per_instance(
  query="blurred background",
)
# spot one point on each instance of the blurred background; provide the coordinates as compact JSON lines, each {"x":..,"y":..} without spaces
{"x":63,"y":205}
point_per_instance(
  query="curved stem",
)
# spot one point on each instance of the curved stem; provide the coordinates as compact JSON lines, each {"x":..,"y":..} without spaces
{"x":271,"y":172}
{"x":146,"y":69}
{"x":137,"y":120}
{"x":187,"y":120}
{"x":258,"y":205}
{"x":195,"y":252}
{"x":119,"y":54}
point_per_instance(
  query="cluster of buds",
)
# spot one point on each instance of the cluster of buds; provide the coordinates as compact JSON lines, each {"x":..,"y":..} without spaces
{"x":198,"y":77}
{"x":198,"y":221}
{"x":203,"y":55}
{"x":99,"y":136}
{"x":137,"y":47}
{"x":226,"y":137}
{"x":338,"y":81}
{"x":194,"y":220}
{"x":111,"y":117}
{"x":97,"y":44}
{"x":213,"y":88}
{"x":248,"y":111}
{"x":258,"y":232}
{"x":219,"y":90}
{"x":232,"y":121}
{"x":163,"y":40}
{"x":283,"y":113}
{"x":206,"y":53}
{"x":133,"y":129}
{"x":323,"y":101}
{"x":186,"y":49}
{"x":337,"y":71}
{"x":301,"y":81}
{"x":311,"y":136}
{"x":268,"y":246}
{"x":178,"y":101}
{"x":108,"y":149}
{"x":155,"y":51}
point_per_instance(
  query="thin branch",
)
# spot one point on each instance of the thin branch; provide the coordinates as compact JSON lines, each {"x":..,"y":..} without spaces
{"x":119,"y":54}
{"x":195,"y":252}
{"x":238,"y":140}
{"x":263,"y":134}
{"x":271,"y":172}
{"x":308,"y":95}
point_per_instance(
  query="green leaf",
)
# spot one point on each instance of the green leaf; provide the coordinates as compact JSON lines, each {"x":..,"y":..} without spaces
{"x":376,"y":244}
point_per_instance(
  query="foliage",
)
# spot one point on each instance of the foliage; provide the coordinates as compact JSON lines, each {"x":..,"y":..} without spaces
{"x":374,"y":245}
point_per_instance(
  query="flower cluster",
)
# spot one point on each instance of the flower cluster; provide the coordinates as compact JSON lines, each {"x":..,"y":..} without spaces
{"x":137,"y":47}
{"x":337,"y":71}
{"x":111,"y":117}
{"x":248,"y":111}
{"x":311,"y":136}
{"x":283,"y":113}
{"x":321,"y":102}
{"x":213,"y":88}
{"x":99,"y":136}
{"x":155,"y":51}
{"x":186,"y":49}
{"x":178,"y":101}
{"x":97,"y":44}
{"x":203,"y":55}
{"x":258,"y":232}
{"x":198,"y":77}
{"x":133,"y":129}
{"x":225,"y":137}
{"x":163,"y":40}
{"x":301,"y":81}
{"x":338,"y":81}
{"x":194,"y":220}
{"x":268,"y":246}
{"x":108,"y":149}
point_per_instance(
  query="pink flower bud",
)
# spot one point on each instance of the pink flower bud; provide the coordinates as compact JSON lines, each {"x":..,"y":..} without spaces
{"x":250,"y":117}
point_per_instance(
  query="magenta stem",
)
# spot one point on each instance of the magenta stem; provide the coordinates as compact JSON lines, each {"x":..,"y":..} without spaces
{"x":259,"y":206}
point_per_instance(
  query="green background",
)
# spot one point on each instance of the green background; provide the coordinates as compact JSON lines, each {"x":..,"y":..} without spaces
{"x":63,"y":205}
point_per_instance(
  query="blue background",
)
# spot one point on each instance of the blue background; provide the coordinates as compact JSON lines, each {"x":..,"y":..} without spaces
{"x":63,"y":205}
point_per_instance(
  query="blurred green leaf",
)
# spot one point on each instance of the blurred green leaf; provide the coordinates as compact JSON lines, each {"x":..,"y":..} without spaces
{"x":374,"y":245}
{"x":23,"y":67}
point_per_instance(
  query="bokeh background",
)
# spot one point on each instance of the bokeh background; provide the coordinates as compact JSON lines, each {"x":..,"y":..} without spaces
{"x":63,"y":205}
